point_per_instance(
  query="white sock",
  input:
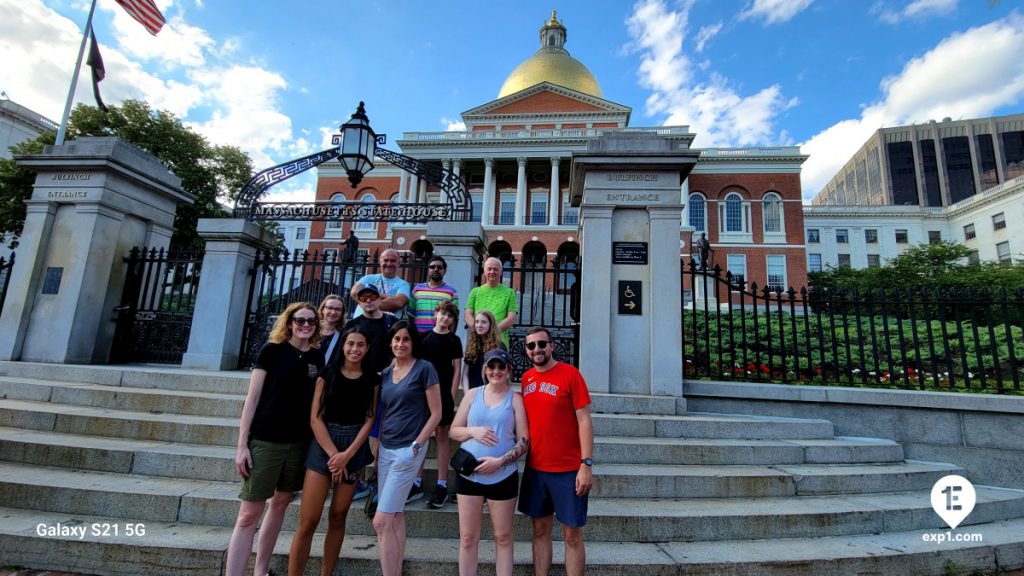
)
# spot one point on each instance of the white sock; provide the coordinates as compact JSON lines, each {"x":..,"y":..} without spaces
{"x":418,"y":482}
{"x":442,"y":483}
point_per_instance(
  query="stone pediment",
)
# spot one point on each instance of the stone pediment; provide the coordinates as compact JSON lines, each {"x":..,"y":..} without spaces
{"x":546,"y":99}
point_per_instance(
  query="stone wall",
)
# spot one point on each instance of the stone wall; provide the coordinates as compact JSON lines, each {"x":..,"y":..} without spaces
{"x":982,"y":433}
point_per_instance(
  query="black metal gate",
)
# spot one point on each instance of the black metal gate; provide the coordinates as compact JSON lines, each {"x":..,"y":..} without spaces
{"x":548,"y":293}
{"x":278,"y":280}
{"x":154,"y":319}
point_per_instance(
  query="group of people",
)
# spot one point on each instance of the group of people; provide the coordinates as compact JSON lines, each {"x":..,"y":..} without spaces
{"x":326,"y":404}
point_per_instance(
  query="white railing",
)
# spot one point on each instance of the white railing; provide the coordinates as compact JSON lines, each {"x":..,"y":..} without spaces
{"x":760,"y":151}
{"x":536,"y":134}
{"x":1018,"y":181}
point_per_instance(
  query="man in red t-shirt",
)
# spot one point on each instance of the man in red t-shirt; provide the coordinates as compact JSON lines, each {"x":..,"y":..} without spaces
{"x":558,"y":473}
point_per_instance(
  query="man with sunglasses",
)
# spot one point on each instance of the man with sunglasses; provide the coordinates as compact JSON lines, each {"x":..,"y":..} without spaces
{"x":375,"y":324}
{"x":394,"y":292}
{"x":558,"y":474}
{"x":427,"y":295}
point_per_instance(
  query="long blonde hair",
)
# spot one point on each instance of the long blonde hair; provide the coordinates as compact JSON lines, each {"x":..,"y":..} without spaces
{"x":282,"y":330}
{"x":477,"y":345}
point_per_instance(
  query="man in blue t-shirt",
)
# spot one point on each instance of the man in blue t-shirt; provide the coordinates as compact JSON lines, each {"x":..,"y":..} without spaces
{"x":394,"y":292}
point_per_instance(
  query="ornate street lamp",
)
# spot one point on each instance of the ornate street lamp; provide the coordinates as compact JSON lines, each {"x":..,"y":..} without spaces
{"x":358,"y":146}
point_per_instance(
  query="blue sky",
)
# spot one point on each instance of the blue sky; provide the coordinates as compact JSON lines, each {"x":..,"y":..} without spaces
{"x":822,"y":74}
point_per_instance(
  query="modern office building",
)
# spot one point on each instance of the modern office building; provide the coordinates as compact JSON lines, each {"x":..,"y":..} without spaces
{"x":516,"y":153}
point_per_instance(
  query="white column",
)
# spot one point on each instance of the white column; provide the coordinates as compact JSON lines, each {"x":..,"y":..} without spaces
{"x":555,"y":199}
{"x":684,"y":199}
{"x":421,"y":195}
{"x":457,"y":166}
{"x":414,"y":188}
{"x":446,"y":165}
{"x":402,"y":187}
{"x":488,"y":204}
{"x":521,"y":193}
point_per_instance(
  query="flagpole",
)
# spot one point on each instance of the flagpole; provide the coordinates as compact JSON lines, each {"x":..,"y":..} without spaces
{"x":74,"y":79}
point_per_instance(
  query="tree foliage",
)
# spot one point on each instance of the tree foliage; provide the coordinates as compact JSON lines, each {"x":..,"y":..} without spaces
{"x":16,"y":187}
{"x":209,"y":172}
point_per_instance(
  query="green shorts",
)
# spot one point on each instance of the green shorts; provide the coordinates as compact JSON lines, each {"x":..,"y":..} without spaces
{"x":275,"y":466}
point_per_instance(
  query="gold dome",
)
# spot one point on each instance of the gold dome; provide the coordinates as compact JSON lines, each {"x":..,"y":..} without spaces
{"x":551,"y":64}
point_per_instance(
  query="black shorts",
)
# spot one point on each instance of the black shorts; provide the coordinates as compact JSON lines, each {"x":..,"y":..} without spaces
{"x":506,"y":489}
{"x":342,"y":436}
{"x":447,"y":406}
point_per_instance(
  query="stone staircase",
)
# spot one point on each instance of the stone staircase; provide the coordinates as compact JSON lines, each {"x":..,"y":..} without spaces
{"x":88,"y":446}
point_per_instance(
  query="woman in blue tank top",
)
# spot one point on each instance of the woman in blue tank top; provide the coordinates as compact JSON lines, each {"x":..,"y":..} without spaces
{"x":491,"y":425}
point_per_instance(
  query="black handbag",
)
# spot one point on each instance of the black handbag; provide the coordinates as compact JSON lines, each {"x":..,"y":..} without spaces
{"x":463,"y":462}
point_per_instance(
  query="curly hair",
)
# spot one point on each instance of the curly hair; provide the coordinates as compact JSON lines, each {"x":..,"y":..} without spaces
{"x":282,"y":330}
{"x":477,"y":345}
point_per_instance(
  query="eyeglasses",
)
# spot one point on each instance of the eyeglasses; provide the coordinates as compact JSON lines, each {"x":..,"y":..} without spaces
{"x":436,"y":267}
{"x":497,"y":366}
{"x":304,"y":321}
{"x":542,"y":344}
{"x":369,"y":298}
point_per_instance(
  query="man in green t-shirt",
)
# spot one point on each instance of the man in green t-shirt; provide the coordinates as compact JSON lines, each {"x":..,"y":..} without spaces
{"x":493,"y":296}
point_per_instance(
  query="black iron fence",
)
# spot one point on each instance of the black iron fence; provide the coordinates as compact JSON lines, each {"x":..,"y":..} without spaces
{"x":548,"y":296}
{"x":6,"y":266}
{"x":278,"y":280}
{"x":154,"y":319}
{"x":958,"y":340}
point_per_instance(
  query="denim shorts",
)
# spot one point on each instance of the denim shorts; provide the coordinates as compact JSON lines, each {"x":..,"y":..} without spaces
{"x":544,"y":493}
{"x":397,"y":470}
{"x":342,"y":436}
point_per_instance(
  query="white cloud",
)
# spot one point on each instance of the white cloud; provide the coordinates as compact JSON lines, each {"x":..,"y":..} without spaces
{"x":774,"y":11}
{"x":712,"y":108}
{"x":453,"y":125}
{"x":989,"y":75}
{"x":297,"y":190}
{"x":913,"y":10}
{"x":706,"y":33}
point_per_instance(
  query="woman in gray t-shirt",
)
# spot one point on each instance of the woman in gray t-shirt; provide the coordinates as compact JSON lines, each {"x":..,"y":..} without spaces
{"x":492,"y":426}
{"x":411,"y":408}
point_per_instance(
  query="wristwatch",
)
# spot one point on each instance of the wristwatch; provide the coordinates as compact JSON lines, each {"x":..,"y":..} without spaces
{"x":416,"y":446}
{"x":587,"y":461}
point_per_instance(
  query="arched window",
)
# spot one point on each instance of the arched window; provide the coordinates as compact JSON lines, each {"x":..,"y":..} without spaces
{"x":734,"y":213}
{"x":335,"y":225}
{"x":422,"y":249}
{"x":534,"y":255}
{"x":698,"y":212}
{"x":367,"y":226}
{"x":771,"y":206}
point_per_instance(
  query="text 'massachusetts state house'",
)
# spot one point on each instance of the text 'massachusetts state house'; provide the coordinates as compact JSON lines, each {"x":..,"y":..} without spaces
{"x":515,"y":156}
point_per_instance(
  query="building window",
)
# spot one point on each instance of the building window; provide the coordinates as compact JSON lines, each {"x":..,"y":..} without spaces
{"x":959,"y":169}
{"x":776,"y":272}
{"x":987,"y":158}
{"x":507,"y":209}
{"x":871,"y":236}
{"x":772,"y":207}
{"x":844,"y":260}
{"x":874,"y":260}
{"x":842,"y":236}
{"x":736,"y":264}
{"x":698,"y":212}
{"x":335,"y":225}
{"x":814,"y":262}
{"x":478,"y":206}
{"x":969,"y":232}
{"x":813,"y":236}
{"x":930,"y":172}
{"x":998,"y":221}
{"x":934,"y":236}
{"x":901,"y":237}
{"x":538,"y":208}
{"x":733,"y":213}
{"x":901,"y":173}
{"x":1003,"y":252}
{"x":973,"y":258}
{"x":570,"y":214}
{"x":300,"y":233}
{"x":366,"y":226}
{"x":1013,"y":153}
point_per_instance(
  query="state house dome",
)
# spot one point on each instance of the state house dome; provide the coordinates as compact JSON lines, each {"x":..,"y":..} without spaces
{"x":551,"y":63}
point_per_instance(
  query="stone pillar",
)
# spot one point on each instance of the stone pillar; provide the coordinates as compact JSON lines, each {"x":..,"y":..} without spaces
{"x":997,"y":148}
{"x":665,"y":369}
{"x":521,"y":193}
{"x":414,"y":189}
{"x":93,"y":200}
{"x":223,"y":298}
{"x":487,"y":207}
{"x":555,"y":199}
{"x":596,"y":297}
{"x":462,"y":246}
{"x":446,"y":166}
{"x":403,"y":181}
{"x":421,"y":194}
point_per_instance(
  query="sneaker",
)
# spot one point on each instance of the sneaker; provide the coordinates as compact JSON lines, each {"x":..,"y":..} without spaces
{"x":363,"y":490}
{"x":439,"y":498}
{"x":415,"y":493}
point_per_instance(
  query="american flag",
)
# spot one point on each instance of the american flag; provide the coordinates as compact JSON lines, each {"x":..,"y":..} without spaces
{"x":146,"y":12}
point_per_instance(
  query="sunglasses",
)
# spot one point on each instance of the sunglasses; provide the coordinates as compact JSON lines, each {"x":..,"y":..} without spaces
{"x":436,"y":267}
{"x":304,"y":321}
{"x":369,"y":298}
{"x":542,"y":344}
{"x":497,"y":366}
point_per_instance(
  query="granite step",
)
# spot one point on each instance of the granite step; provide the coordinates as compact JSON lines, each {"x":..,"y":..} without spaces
{"x":139,"y":498}
{"x":174,"y":549}
{"x":98,"y":421}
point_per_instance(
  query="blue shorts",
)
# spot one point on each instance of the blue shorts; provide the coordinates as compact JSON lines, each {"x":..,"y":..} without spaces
{"x":544,"y":493}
